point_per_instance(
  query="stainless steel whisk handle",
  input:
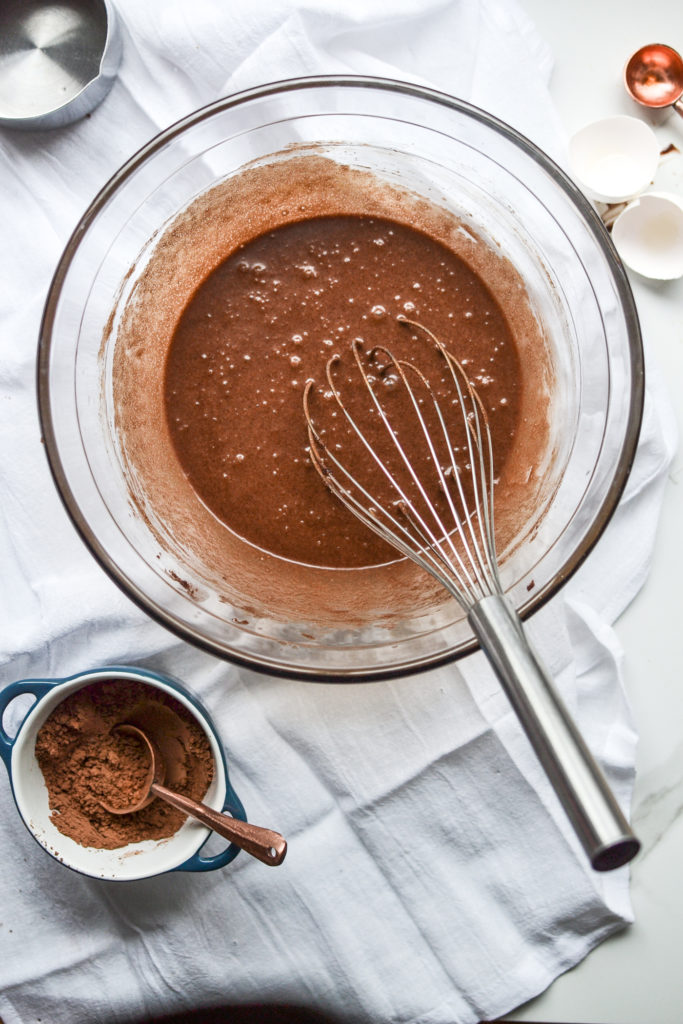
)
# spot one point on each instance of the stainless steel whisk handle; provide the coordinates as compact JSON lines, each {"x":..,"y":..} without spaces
{"x":578,"y":781}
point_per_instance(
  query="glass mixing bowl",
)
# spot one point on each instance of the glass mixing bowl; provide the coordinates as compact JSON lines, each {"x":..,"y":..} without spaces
{"x":438,"y":147}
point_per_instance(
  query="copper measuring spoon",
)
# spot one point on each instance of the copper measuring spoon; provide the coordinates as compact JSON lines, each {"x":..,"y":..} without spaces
{"x":654,"y":77}
{"x":267,"y":846}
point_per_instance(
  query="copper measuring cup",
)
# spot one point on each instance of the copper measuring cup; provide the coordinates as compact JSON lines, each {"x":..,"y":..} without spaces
{"x":265,"y":845}
{"x":653,"y":77}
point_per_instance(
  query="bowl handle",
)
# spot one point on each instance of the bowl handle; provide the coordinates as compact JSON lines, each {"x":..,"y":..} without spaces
{"x":37,"y":687}
{"x":233,"y":805}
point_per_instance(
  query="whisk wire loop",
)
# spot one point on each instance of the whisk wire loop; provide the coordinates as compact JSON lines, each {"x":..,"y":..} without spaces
{"x":467,"y":555}
{"x":434,"y":540}
{"x":389,"y":528}
{"x":460,"y":553}
{"x":480,"y":520}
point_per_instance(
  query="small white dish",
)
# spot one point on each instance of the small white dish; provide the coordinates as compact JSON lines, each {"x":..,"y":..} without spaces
{"x":614,"y":159}
{"x":180,"y":852}
{"x":648,"y":235}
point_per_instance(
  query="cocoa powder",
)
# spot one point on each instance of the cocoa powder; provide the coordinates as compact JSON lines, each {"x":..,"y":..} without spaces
{"x":120,"y":770}
{"x":84,"y":762}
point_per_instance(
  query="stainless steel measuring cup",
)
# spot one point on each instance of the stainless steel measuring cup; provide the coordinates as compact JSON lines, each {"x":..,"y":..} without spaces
{"x":58,"y":60}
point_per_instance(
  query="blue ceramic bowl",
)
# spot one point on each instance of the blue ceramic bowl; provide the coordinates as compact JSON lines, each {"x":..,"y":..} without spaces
{"x":180,"y":852}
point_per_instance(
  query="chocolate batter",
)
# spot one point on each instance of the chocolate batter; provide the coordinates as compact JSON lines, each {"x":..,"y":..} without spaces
{"x":268,"y":319}
{"x":214,"y":463}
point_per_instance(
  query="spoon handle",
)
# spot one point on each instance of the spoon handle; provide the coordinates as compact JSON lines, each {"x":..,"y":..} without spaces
{"x":267,"y":846}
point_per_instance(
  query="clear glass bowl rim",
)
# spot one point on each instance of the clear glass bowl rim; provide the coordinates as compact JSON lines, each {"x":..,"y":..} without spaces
{"x":560,"y":178}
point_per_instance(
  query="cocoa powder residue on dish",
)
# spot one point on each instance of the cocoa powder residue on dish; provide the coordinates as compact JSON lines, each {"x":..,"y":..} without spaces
{"x":83,"y":762}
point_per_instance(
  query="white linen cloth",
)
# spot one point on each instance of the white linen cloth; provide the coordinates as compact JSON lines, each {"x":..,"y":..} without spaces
{"x":431,"y":874}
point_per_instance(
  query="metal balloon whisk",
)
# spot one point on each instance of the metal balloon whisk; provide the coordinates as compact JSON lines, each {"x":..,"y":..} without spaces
{"x":424,"y":481}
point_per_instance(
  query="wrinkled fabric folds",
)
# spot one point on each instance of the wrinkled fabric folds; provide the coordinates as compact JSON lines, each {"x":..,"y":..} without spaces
{"x":431,"y":875}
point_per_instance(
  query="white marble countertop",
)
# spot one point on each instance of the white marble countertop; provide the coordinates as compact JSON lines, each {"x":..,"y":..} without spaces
{"x":635,"y":977}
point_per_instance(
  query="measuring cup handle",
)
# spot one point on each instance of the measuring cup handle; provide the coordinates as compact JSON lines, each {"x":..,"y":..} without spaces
{"x":233,"y":805}
{"x":262,"y":843}
{"x":38,"y":688}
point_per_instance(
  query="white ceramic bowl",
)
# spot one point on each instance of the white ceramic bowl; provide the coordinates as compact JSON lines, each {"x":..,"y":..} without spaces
{"x":181,"y":851}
